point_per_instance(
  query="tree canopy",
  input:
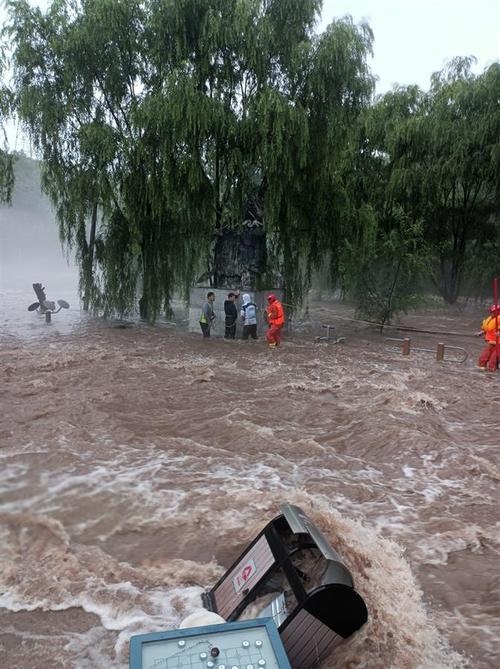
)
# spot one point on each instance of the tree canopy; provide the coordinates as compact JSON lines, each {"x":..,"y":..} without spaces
{"x":157,"y":122}
{"x":424,"y":191}
{"x":154,"y":121}
{"x":6,"y":158}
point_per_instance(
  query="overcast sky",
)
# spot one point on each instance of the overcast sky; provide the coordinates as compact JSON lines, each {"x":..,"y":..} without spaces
{"x":413,"y":38}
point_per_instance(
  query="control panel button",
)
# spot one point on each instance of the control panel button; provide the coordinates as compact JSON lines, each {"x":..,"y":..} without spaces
{"x":258,"y":643}
{"x":245,"y":644}
{"x":181,"y":643}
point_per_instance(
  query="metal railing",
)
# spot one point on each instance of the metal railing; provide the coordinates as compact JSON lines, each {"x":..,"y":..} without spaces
{"x":440,"y":351}
{"x":329,"y":338}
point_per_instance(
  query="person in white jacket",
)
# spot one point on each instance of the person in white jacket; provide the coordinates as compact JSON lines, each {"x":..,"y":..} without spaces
{"x":249,"y":317}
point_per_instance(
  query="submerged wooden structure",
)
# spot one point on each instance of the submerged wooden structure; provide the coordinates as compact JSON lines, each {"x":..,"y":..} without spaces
{"x":292,"y":574}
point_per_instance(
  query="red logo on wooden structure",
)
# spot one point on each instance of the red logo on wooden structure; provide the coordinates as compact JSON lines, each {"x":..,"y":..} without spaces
{"x":244,"y":574}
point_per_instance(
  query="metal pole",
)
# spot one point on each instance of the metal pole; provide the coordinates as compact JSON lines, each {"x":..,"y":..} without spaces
{"x":440,"y":352}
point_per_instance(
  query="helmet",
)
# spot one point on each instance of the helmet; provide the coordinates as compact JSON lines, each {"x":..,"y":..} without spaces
{"x":271,"y":297}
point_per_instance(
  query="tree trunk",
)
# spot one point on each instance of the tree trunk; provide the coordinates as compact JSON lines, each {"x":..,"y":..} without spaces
{"x":88,"y":267}
{"x":143,"y":308}
{"x":451,"y":278}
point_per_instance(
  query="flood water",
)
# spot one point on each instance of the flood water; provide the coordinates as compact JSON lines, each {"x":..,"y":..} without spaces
{"x":136,"y":464}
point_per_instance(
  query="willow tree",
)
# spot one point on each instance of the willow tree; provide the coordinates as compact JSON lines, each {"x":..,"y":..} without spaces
{"x":75,"y":70}
{"x":155,"y":120}
{"x":439,"y":157}
{"x":6,"y":158}
{"x":307,"y":147}
{"x":461,"y":182}
{"x":384,"y":255}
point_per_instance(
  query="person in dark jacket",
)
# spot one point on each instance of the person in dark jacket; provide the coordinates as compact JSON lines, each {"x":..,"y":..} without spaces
{"x":231,"y":315}
{"x":207,"y":316}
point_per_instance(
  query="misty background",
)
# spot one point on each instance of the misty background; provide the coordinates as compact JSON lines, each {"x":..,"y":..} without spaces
{"x":30,"y":249}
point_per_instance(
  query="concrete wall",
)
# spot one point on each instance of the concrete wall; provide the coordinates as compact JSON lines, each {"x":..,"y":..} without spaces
{"x":199,"y":295}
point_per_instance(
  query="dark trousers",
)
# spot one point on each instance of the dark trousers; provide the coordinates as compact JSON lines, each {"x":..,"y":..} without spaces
{"x":230,"y":329}
{"x":250,"y":330}
{"x":205,"y":328}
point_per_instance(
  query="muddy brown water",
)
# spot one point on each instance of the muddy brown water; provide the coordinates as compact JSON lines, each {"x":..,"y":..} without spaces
{"x":138,"y":462}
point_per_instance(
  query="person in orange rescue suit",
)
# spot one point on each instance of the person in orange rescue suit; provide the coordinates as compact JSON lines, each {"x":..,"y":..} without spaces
{"x":488,"y":358}
{"x":275,"y":321}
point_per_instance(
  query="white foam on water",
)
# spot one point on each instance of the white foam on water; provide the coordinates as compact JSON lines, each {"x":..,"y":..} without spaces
{"x":437,"y":548}
{"x":204,"y":447}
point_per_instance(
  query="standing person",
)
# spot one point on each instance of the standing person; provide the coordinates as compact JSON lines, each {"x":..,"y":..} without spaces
{"x":231,"y":315}
{"x":488,"y":359}
{"x":275,"y":320}
{"x":207,"y":316}
{"x":249,"y":316}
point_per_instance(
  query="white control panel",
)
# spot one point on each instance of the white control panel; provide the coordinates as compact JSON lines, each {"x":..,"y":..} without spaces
{"x":240,"y":645}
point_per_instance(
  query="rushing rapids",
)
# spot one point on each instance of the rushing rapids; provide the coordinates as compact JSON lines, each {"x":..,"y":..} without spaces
{"x":138,"y":462}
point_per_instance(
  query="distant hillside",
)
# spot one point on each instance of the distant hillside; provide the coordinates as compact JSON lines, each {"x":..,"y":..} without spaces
{"x":30,"y":249}
{"x":27,"y":192}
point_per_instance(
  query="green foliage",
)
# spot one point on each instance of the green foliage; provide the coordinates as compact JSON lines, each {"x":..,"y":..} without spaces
{"x":308,"y":152}
{"x":462,"y":212}
{"x":6,"y":175}
{"x":155,"y":120}
{"x":383,"y":265}
{"x":438,"y":155}
{"x":6,"y":158}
